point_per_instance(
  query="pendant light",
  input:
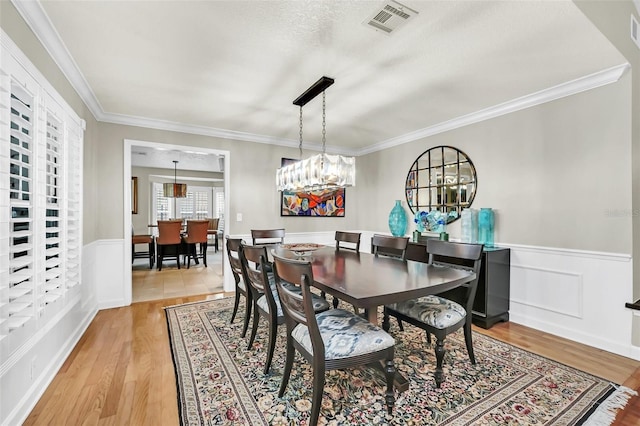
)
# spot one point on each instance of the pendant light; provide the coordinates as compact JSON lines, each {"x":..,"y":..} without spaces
{"x":175,"y":189}
{"x":321,"y":171}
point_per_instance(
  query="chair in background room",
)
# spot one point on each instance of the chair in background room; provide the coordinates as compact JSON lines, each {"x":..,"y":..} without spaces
{"x":196,"y":234}
{"x":233,"y":254}
{"x":213,"y":231}
{"x":389,"y":246}
{"x":169,"y":241}
{"x":435,"y":314}
{"x":266,"y":302}
{"x":357,"y":342}
{"x":151,"y":247}
{"x":267,"y":236}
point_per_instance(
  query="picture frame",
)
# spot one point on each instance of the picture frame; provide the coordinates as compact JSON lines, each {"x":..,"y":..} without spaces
{"x":322,"y":203}
{"x":134,"y":195}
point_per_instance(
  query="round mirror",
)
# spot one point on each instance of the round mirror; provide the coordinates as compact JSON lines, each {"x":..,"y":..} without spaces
{"x":442,"y":178}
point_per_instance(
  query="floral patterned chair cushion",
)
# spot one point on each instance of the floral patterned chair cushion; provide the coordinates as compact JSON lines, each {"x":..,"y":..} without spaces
{"x":432,"y":310}
{"x":319,"y":304}
{"x":344,"y":335}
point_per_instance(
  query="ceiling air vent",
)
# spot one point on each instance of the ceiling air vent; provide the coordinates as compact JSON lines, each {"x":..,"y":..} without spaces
{"x":635,"y":31}
{"x":391,"y":16}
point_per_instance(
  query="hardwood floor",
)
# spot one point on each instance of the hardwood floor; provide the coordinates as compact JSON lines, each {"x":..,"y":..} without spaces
{"x":121,"y":371}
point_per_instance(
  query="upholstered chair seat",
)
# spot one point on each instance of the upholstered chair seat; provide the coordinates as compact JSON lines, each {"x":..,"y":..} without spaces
{"x":344,"y":335}
{"x":319,"y":303}
{"x":435,"y":311}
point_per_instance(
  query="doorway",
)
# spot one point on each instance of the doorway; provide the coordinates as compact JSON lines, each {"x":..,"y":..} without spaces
{"x":202,"y":169}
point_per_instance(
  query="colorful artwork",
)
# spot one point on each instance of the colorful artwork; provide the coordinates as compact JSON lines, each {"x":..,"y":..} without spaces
{"x":317,"y":203}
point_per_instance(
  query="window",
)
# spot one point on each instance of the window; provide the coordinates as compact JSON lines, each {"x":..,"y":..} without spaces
{"x":196,"y":205}
{"x":41,"y":147}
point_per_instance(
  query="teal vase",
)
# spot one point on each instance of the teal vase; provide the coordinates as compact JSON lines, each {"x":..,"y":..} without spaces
{"x":486,"y":223}
{"x":398,"y":220}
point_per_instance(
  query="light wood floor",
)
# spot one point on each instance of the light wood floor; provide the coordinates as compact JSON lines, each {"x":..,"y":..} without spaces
{"x":121,"y":371}
{"x":151,"y":284}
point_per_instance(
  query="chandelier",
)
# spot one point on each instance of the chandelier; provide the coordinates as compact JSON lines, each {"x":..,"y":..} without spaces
{"x":321,"y":171}
{"x":175,"y":189}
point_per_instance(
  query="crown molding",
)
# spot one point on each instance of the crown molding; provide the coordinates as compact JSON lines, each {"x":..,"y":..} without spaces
{"x":33,"y":13}
{"x":569,"y":88}
{"x":37,"y":19}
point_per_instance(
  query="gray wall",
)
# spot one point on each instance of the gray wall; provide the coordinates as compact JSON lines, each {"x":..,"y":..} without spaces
{"x":557,"y":174}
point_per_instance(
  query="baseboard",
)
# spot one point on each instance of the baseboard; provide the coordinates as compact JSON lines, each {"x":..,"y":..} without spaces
{"x":22,"y":410}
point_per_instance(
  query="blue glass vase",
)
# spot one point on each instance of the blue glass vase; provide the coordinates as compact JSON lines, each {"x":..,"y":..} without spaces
{"x":398,"y":220}
{"x":486,"y":222}
{"x":469,"y":226}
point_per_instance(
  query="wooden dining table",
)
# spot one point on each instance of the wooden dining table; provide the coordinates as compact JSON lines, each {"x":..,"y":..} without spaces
{"x":368,"y":281}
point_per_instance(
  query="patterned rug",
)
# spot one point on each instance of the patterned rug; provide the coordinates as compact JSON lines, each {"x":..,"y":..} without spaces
{"x":220,"y":382}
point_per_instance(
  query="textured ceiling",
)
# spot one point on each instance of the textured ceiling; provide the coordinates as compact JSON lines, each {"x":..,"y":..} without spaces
{"x":238,"y":65}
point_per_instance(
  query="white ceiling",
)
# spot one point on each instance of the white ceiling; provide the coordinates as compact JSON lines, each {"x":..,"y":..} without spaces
{"x":234,"y":67}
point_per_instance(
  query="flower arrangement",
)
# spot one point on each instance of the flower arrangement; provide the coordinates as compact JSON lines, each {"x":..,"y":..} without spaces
{"x":434,"y":221}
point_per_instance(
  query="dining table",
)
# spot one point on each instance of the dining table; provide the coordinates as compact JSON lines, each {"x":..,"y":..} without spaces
{"x":368,"y":281}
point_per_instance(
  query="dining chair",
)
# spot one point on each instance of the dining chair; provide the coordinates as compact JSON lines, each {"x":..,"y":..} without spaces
{"x":267,"y":236}
{"x":352,"y":240}
{"x":233,"y":254}
{"x":333,"y":339}
{"x":435,"y":314}
{"x":212,"y":230}
{"x":149,"y":240}
{"x":196,"y":234}
{"x":169,"y":239}
{"x":266,"y":302}
{"x":389,"y":246}
{"x":345,"y":240}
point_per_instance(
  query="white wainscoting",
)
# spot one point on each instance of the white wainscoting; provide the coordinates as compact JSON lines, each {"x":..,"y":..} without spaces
{"x":574,"y":294}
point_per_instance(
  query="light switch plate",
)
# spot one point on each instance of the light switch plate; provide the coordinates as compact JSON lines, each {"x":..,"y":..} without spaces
{"x":239,"y":217}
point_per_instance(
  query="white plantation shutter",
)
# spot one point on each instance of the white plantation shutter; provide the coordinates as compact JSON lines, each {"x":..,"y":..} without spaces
{"x":220,"y":209}
{"x":40,"y":200}
{"x":53,"y":287}
{"x":201,"y":202}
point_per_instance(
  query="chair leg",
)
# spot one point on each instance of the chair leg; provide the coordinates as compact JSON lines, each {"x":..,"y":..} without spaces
{"x":235,"y":303}
{"x":469,"y":342}
{"x":254,"y":327}
{"x":385,"y":320}
{"x":273,"y":334}
{"x":318,"y":389}
{"x":287,"y":366}
{"x":204,"y":253}
{"x":400,"y":324}
{"x":439,"y":358}
{"x":428,"y":338}
{"x":160,"y":254}
{"x":133,"y":252}
{"x":247,"y":313}
{"x":390,"y":373}
{"x":152,"y":254}
{"x":335,"y":302}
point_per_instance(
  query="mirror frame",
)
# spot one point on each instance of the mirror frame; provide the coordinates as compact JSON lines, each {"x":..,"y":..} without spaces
{"x":449,"y":195}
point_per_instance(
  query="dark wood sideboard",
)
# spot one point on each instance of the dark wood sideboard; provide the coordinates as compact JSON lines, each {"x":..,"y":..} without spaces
{"x":491,"y":304}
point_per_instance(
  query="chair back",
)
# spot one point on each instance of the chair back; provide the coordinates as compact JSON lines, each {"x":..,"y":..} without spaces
{"x":213,"y":224}
{"x":297,"y":306}
{"x":233,"y":253}
{"x":267,"y":236}
{"x":169,"y":232}
{"x":389,"y":246}
{"x":253,"y":259}
{"x":351,"y":238}
{"x":458,"y":255}
{"x":197,"y":231}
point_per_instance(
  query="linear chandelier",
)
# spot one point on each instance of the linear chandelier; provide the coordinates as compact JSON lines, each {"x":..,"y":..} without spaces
{"x":321,"y":171}
{"x":175,"y":189}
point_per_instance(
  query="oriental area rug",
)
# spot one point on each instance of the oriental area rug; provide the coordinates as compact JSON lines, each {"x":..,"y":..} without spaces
{"x":220,"y":381}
